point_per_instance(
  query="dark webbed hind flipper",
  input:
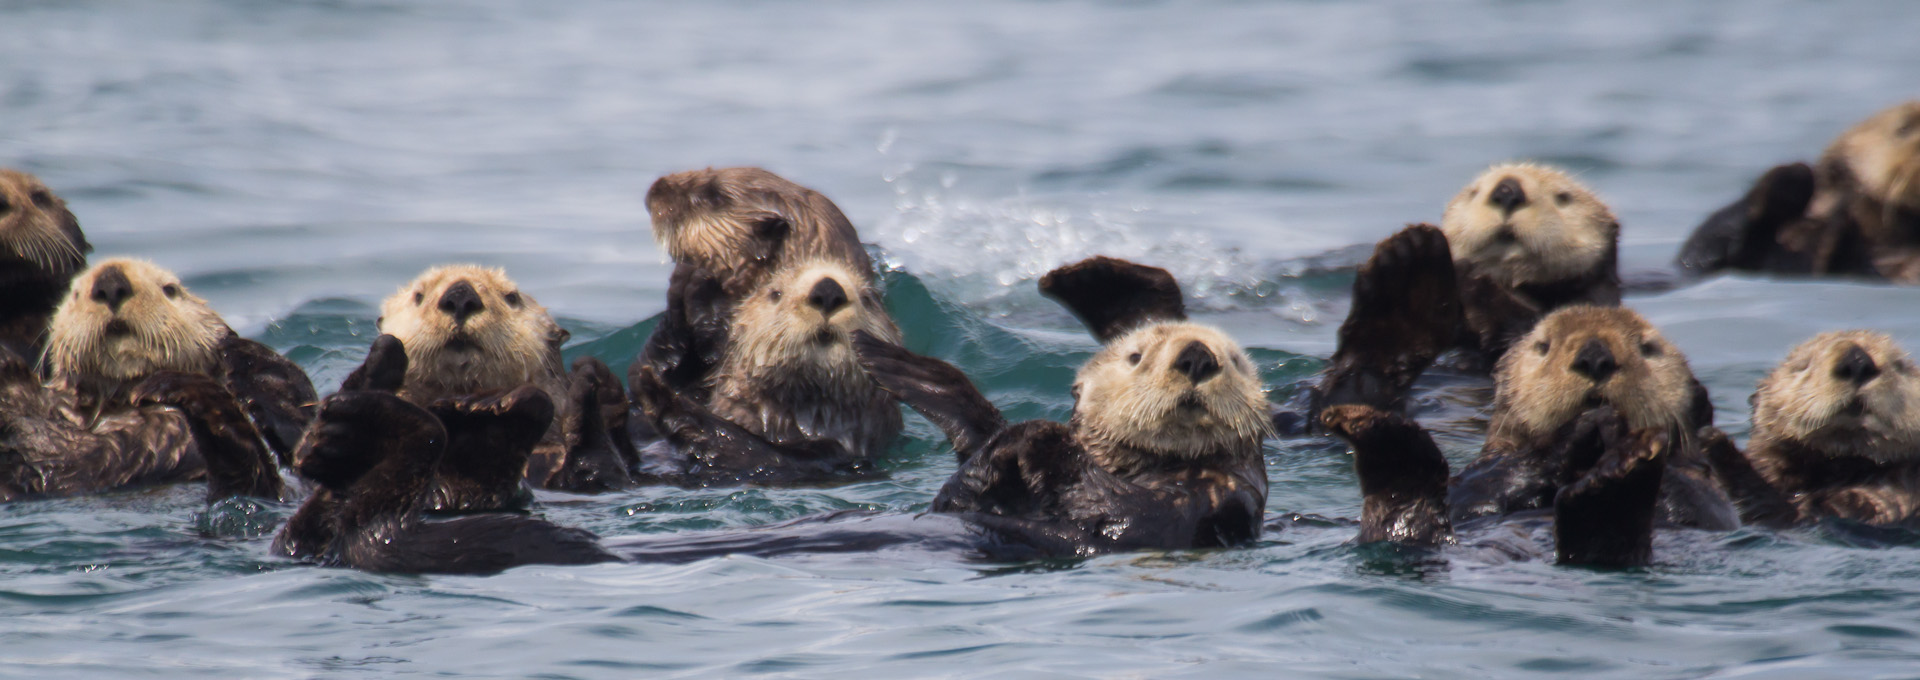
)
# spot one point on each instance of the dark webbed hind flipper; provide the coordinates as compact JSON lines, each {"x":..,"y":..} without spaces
{"x":384,"y":369}
{"x":1403,"y":476}
{"x":1745,"y":234}
{"x":489,"y":440}
{"x":1605,"y":518}
{"x":692,"y":334}
{"x":274,"y":391}
{"x":593,"y":463}
{"x":715,"y":448}
{"x":1758,"y":500}
{"x":238,"y":462}
{"x":1406,"y":311}
{"x":1113,"y":296}
{"x":933,"y":388}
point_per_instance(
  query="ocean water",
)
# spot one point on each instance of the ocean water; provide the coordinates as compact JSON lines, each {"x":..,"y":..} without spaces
{"x":296,"y":161}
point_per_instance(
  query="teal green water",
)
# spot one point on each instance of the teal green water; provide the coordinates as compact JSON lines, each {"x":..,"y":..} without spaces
{"x":297,"y":161}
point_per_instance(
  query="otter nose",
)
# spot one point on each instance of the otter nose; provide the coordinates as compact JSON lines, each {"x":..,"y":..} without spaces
{"x":827,"y":296}
{"x":1856,"y":366}
{"x":1508,"y":195}
{"x":1196,"y":362}
{"x":461,"y":301}
{"x":111,"y":288}
{"x":1595,"y":361}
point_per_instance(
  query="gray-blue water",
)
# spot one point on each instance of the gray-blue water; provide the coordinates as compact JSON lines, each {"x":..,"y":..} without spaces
{"x":296,"y":161}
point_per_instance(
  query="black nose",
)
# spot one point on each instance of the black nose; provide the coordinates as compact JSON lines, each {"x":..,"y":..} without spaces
{"x":1856,"y":366}
{"x":1595,"y":361}
{"x":1508,"y":195}
{"x":461,"y":301}
{"x":827,"y":296}
{"x":111,"y":288}
{"x":1197,"y":362}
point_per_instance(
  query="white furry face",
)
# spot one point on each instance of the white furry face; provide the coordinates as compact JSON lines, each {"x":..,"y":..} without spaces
{"x":1172,"y":389}
{"x":33,"y":222}
{"x":469,"y":329}
{"x":802,"y":320}
{"x":1844,"y":393}
{"x":1522,"y":223}
{"x":1583,"y":356}
{"x":1884,"y":154}
{"x":125,"y":319}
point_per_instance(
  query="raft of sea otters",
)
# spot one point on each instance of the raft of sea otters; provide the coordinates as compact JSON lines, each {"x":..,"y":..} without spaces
{"x":776,"y":363}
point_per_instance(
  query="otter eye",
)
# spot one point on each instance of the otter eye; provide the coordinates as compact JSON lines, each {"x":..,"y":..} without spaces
{"x":4,"y":205}
{"x":43,"y":198}
{"x":170,"y":290}
{"x":774,"y":296}
{"x":419,"y":297}
{"x":1650,"y":349}
{"x":513,"y":298}
{"x":1134,"y":358}
{"x":1541,"y":346}
{"x":1563,"y":198}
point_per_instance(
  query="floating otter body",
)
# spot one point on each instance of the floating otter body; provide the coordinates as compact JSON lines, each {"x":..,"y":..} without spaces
{"x":787,"y":401}
{"x":1836,"y":433}
{"x":148,"y":383}
{"x":1595,"y":415}
{"x":41,"y":249}
{"x":373,"y":456}
{"x":1855,"y":212}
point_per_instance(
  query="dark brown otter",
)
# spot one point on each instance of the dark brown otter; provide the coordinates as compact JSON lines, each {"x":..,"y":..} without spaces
{"x":41,"y":250}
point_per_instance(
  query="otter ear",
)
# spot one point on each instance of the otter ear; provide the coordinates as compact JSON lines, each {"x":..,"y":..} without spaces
{"x":1112,"y":296}
{"x":557,"y":336}
{"x":770,"y":231}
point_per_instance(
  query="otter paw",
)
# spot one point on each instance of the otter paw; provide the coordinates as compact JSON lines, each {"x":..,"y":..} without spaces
{"x":384,"y":369}
{"x":174,"y":388}
{"x":1410,"y":282}
{"x":1351,"y":420}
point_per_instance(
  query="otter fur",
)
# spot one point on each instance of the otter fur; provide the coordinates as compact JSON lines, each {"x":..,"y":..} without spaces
{"x":1854,"y":212}
{"x":742,"y":224}
{"x":1163,"y":448}
{"x":1836,"y":433}
{"x":41,"y":250}
{"x":786,"y":401}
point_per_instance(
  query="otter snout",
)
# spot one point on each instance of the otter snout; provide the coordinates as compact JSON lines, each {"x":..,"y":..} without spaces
{"x":1856,"y":366}
{"x":1196,"y":362}
{"x":1595,"y":361}
{"x":1508,"y":195}
{"x":111,"y":288}
{"x":461,"y":301}
{"x":827,"y":296}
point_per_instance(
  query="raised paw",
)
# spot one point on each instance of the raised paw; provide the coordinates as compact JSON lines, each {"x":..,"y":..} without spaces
{"x":1409,"y":289}
{"x":1112,"y":296}
{"x":384,"y":369}
{"x":525,"y":403}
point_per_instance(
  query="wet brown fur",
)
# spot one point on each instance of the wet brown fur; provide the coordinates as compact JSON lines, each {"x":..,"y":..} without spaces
{"x":742,"y":224}
{"x":41,"y":249}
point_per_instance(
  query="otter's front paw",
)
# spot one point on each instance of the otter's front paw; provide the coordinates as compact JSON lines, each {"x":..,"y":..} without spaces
{"x":525,"y":402}
{"x":1406,"y":311}
{"x":1606,"y":516}
{"x":175,"y":388}
{"x":384,"y":369}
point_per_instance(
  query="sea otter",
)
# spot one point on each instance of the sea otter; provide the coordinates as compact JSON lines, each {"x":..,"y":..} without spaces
{"x":41,"y":249}
{"x":742,"y":224}
{"x":1162,"y":451}
{"x":786,"y":402}
{"x":373,"y":456}
{"x":1855,"y":212}
{"x":1836,"y":433}
{"x":467,"y":330}
{"x":148,"y":386}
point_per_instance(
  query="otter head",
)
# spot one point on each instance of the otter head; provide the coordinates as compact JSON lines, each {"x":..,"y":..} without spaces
{"x":1883,"y":154}
{"x":1521,"y":223}
{"x":1168,"y":391}
{"x":802,"y":320}
{"x":469,"y":329}
{"x":1583,"y":356}
{"x":1843,"y":393}
{"x":125,"y":319}
{"x":36,"y":227}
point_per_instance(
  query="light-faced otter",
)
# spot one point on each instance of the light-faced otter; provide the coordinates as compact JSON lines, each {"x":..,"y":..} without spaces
{"x":466,"y":331}
{"x":742,"y":224}
{"x":787,"y":401}
{"x":1836,"y":433}
{"x":1856,"y":212}
{"x":373,"y":456}
{"x":41,"y":249}
{"x":1162,"y":451}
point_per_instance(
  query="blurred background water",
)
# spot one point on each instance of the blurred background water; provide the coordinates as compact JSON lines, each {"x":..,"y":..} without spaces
{"x":296,"y":161}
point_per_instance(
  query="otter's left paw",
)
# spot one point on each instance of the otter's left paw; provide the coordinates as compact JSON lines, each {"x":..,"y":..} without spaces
{"x":1605,"y":518}
{"x":1406,"y":311}
{"x":175,"y":388}
{"x":525,"y":402}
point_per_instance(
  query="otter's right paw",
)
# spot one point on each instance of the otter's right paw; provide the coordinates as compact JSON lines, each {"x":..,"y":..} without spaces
{"x":1406,"y":311}
{"x":384,"y":369}
{"x":1403,"y":475}
{"x":1605,"y":518}
{"x":526,"y":404}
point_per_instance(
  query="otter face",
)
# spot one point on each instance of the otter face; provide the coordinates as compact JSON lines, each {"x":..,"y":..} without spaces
{"x":35,"y":225}
{"x":804,"y":317}
{"x":1522,"y":223}
{"x":1178,"y":390}
{"x":1844,"y":393}
{"x":126,"y":319}
{"x":1584,"y":356}
{"x":1884,"y":154}
{"x":469,"y":329}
